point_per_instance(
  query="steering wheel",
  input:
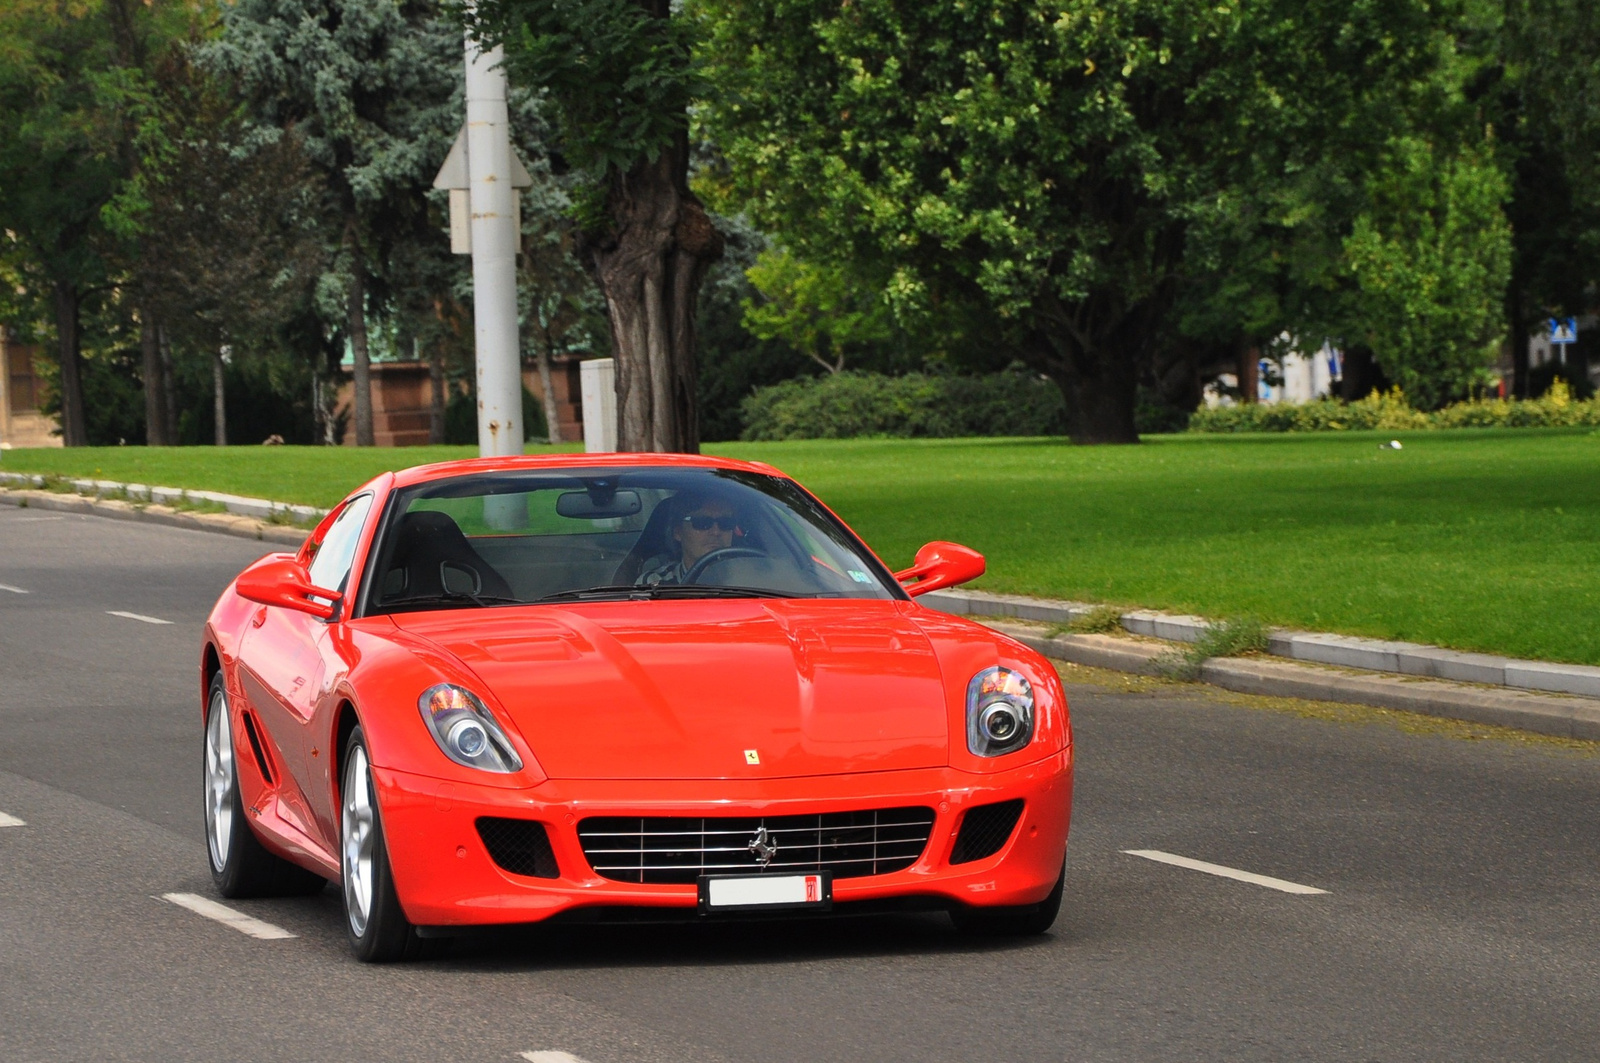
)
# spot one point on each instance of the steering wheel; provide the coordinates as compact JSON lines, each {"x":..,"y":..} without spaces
{"x":727,"y":553}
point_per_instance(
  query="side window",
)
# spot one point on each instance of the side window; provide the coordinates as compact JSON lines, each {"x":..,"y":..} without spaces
{"x":332,"y":563}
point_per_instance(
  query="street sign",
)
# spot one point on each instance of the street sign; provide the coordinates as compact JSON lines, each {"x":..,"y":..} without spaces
{"x":1564,"y":330}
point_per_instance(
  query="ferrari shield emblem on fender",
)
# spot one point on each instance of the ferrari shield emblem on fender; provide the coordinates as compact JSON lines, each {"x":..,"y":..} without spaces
{"x":763,"y":847}
{"x":752,"y":756}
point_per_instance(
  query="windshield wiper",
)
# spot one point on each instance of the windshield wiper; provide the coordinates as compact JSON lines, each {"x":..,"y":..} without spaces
{"x":456,"y":598}
{"x":645,"y":593}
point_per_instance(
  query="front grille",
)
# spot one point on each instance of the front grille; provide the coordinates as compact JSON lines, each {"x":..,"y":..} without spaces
{"x":984,"y":830}
{"x":679,"y":849}
{"x":520,"y":846}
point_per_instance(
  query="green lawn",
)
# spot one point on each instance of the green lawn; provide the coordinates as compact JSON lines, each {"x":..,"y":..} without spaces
{"x":1484,"y":540}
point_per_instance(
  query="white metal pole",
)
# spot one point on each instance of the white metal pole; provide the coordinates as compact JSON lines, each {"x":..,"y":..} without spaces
{"x":494,"y":249}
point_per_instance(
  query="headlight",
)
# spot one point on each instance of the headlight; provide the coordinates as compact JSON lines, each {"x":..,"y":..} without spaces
{"x":999,"y":712}
{"x":465,"y":729}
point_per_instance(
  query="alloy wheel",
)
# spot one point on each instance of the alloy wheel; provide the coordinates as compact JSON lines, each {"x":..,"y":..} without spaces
{"x":220,"y":781}
{"x":358,"y":831}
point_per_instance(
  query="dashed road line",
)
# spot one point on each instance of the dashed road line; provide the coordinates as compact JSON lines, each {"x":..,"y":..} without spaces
{"x":551,"y":1056}
{"x":227,"y":916}
{"x":13,"y":590}
{"x":10,"y":821}
{"x":137,"y":616}
{"x":1224,"y":872}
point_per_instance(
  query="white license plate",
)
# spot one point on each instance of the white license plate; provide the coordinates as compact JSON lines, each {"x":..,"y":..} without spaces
{"x":766,"y":891}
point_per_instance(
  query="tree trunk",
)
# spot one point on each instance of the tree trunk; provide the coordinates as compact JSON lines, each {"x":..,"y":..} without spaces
{"x":155,"y":383}
{"x":1519,"y":345}
{"x":74,"y":427}
{"x":649,"y":268}
{"x":437,"y":402}
{"x":219,"y":404}
{"x":541,"y":360}
{"x":1092,"y":352}
{"x":358,"y":348}
{"x":169,"y":386}
{"x":1249,"y":371}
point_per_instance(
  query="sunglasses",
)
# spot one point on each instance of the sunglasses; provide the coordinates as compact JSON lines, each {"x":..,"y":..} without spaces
{"x":701,"y":522}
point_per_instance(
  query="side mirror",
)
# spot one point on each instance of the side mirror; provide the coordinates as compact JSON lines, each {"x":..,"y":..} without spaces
{"x":283,"y":581}
{"x":941,"y":565}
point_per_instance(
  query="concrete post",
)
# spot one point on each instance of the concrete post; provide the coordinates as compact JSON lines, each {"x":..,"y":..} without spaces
{"x":494,"y":250}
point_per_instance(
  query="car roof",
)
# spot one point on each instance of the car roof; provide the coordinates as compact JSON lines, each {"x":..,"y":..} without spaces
{"x":515,"y":463}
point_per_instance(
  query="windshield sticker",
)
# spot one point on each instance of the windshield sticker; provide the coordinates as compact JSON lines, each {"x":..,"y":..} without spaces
{"x":859,"y":576}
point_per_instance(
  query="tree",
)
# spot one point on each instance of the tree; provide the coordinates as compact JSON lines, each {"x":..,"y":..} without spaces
{"x":234,"y":211}
{"x":820,"y":311}
{"x":1062,"y":163}
{"x":620,"y":80}
{"x":71,"y":88}
{"x":1544,"y":98}
{"x":373,"y":89}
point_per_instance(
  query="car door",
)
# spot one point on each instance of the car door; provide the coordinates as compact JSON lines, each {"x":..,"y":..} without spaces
{"x":289,"y":666}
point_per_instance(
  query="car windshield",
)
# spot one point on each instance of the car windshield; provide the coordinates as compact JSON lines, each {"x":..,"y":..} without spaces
{"x":579,"y":535}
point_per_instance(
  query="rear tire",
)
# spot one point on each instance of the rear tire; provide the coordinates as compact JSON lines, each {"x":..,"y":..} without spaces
{"x":240,"y":865}
{"x":378,"y":929}
{"x":1021,"y":920}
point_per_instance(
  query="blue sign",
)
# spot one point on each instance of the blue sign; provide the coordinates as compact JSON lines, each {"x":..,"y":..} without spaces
{"x":1564,"y":330}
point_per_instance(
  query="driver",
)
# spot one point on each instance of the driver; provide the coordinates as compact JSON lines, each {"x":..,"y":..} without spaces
{"x":707,"y":525}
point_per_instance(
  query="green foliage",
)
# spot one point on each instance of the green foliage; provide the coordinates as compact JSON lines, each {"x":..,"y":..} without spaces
{"x":1082,"y":168}
{"x":850,"y":404}
{"x":731,"y":363}
{"x":1101,"y":620}
{"x":1391,"y":412}
{"x":1229,"y":638}
{"x":619,"y":72}
{"x":820,"y":311}
{"x":1431,"y":260}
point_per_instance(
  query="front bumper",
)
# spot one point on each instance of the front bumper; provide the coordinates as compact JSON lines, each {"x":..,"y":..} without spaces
{"x":445,"y":877}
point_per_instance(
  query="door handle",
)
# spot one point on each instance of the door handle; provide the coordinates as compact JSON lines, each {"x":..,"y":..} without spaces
{"x":260,"y":617}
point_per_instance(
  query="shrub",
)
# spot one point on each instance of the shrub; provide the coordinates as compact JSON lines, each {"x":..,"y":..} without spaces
{"x":1555,"y":409}
{"x":850,"y":404}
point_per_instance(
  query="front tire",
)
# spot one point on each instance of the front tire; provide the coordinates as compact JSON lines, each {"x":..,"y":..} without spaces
{"x":378,"y":929}
{"x":240,"y":865}
{"x":1021,"y":920}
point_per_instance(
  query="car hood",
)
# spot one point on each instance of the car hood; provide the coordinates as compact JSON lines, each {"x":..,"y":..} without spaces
{"x":707,"y":689}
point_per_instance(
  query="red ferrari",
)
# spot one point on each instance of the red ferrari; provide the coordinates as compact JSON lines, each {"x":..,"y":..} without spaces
{"x":618,"y":687}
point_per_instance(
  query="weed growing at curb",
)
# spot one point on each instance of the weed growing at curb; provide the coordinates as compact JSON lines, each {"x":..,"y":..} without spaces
{"x":1230,"y":638}
{"x":1101,"y":620}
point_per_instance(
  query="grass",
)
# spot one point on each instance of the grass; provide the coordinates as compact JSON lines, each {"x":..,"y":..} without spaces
{"x":1478,"y":539}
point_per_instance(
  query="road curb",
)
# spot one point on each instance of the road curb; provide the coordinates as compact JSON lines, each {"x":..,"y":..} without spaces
{"x":1565,"y":717}
{"x":1343,"y":651}
{"x":155,"y":513}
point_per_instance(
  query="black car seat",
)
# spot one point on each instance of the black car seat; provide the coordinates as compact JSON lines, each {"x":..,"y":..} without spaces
{"x":429,"y":547}
{"x":655,"y":540}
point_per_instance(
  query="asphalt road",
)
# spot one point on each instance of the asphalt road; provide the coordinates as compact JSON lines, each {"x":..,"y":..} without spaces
{"x":1461,"y":919}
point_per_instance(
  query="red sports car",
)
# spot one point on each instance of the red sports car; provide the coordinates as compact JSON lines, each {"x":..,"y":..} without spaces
{"x":617,"y":687}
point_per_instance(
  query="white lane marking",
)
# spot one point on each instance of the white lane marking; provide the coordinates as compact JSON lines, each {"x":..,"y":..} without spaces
{"x":551,"y":1056}
{"x":137,"y":616}
{"x":1225,"y":872}
{"x":13,"y":590}
{"x":10,"y":821}
{"x":227,"y":916}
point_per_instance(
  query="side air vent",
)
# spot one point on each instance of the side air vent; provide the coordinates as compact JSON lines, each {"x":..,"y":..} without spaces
{"x":255,"y":746}
{"x":984,"y":830}
{"x":519,"y":846}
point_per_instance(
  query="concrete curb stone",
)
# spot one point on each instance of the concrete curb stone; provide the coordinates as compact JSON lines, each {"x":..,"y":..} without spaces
{"x":155,"y":513}
{"x":1564,"y":717}
{"x":1341,"y":651}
